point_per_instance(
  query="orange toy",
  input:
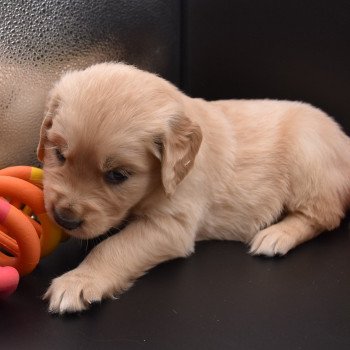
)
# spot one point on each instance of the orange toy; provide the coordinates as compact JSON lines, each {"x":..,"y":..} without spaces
{"x":21,"y":237}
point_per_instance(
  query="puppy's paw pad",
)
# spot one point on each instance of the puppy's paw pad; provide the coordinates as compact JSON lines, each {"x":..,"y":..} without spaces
{"x":73,"y":292}
{"x":271,"y":242}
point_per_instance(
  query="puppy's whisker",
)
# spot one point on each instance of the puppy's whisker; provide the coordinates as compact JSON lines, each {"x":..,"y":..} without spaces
{"x":86,"y":246}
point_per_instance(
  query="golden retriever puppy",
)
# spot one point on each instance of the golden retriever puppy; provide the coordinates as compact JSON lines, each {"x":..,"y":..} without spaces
{"x":119,"y":143}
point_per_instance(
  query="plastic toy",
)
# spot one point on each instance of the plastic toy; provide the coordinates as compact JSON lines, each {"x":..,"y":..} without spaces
{"x":9,"y":279}
{"x":28,"y":234}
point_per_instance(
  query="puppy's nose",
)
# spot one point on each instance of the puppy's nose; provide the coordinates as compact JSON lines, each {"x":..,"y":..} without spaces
{"x":66,"y":219}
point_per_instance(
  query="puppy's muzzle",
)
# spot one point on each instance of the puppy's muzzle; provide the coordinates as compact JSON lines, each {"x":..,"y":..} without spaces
{"x":66,"y":219}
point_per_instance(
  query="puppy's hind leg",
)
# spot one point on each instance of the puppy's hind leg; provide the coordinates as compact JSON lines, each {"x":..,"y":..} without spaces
{"x":279,"y":238}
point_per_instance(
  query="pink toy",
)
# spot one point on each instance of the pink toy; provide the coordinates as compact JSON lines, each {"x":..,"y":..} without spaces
{"x":9,"y":279}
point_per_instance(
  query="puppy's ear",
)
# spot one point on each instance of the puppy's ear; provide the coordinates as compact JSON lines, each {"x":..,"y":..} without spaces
{"x":177,"y":149}
{"x":52,"y":106}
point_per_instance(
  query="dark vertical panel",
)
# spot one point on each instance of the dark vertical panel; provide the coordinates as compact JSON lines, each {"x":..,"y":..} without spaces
{"x":296,"y":50}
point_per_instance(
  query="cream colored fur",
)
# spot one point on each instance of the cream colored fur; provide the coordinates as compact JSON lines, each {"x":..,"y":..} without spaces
{"x":272,"y":174}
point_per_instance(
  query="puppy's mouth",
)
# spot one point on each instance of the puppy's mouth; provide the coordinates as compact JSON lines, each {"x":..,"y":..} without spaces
{"x":78,"y":228}
{"x":80,"y":233}
{"x":84,"y":227}
{"x":72,"y":229}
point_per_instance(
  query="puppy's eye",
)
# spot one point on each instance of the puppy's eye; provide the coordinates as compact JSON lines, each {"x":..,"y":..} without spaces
{"x":116,"y":177}
{"x":61,"y":158}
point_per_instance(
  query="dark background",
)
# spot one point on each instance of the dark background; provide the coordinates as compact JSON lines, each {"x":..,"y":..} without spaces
{"x":295,"y":50}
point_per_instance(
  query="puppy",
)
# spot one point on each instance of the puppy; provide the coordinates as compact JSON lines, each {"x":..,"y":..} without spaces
{"x":119,"y":143}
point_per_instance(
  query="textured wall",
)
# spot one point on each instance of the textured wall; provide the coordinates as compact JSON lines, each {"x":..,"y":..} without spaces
{"x":41,"y":39}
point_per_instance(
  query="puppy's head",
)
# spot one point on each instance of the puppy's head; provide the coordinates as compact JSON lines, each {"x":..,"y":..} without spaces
{"x":112,"y":137}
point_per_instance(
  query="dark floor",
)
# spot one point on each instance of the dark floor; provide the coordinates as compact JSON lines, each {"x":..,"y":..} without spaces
{"x":219,"y":298}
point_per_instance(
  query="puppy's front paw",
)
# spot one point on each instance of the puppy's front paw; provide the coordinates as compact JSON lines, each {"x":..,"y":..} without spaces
{"x":75,"y":291}
{"x":272,"y":241}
